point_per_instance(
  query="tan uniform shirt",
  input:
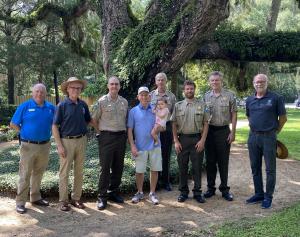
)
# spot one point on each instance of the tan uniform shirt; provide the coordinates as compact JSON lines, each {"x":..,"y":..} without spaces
{"x":189,"y":116}
{"x":170,"y":97}
{"x":111,"y":115}
{"x":220,"y":107}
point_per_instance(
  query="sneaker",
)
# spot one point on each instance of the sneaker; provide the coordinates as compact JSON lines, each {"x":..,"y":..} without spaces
{"x":266,"y":203}
{"x":254,"y":199}
{"x":153,"y":198}
{"x":137,"y":197}
{"x":21,"y":209}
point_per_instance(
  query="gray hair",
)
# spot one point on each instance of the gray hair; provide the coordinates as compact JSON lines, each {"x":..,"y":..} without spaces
{"x":261,"y":75}
{"x":216,"y":73}
{"x":113,"y":77}
{"x":162,"y":74}
{"x":39,"y":85}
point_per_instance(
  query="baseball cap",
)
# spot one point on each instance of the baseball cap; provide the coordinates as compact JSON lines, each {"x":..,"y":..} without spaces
{"x":142,"y":89}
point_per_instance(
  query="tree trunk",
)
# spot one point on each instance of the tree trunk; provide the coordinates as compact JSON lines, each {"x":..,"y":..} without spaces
{"x":169,"y":36}
{"x":11,"y":84}
{"x":55,"y":86}
{"x":273,"y":16}
{"x":114,"y":16}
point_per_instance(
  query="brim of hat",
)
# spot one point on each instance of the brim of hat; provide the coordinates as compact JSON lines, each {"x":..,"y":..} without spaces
{"x":284,"y":151}
{"x":65,"y":84}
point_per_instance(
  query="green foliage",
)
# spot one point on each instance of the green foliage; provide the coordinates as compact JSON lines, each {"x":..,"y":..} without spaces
{"x":6,"y":113}
{"x":282,"y":224}
{"x":9,"y":165}
{"x":96,"y":87}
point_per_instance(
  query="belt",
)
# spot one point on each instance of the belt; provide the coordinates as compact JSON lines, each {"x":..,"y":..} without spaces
{"x":113,"y":133}
{"x":263,"y":132}
{"x":35,"y":142}
{"x":212,"y":127}
{"x":74,"y":137}
{"x":189,"y":135}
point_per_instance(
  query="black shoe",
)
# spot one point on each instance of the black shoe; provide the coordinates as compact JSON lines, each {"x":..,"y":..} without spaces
{"x":115,"y":198}
{"x":227,"y":196}
{"x":41,"y":202}
{"x":209,"y":194}
{"x":101,"y":204}
{"x":182,"y":198}
{"x":21,"y":209}
{"x":168,"y":187}
{"x":199,"y":198}
{"x":255,"y":199}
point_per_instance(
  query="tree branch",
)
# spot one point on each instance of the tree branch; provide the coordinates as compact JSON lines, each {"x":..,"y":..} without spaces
{"x":266,"y":47}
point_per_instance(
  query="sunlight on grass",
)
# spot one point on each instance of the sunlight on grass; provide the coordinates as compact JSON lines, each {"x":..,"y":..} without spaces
{"x":290,"y":135}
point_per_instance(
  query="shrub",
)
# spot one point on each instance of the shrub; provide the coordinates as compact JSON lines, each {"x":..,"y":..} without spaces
{"x":6,"y":113}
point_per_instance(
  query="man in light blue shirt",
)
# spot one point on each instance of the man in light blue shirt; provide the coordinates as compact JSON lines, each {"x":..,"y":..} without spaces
{"x":141,"y":120}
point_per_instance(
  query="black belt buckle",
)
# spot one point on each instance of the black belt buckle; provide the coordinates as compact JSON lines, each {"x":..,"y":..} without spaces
{"x":190,"y":135}
{"x":113,"y":133}
{"x":216,"y":128}
{"x":74,"y":137}
{"x":35,"y":142}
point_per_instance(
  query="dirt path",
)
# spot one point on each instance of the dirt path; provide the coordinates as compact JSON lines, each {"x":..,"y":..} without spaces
{"x":169,"y":218}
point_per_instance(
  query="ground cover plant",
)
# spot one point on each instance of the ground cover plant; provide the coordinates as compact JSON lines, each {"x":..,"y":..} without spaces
{"x":9,"y":161}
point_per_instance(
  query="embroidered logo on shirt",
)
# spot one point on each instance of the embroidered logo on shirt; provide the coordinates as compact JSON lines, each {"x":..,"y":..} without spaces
{"x":31,"y":110}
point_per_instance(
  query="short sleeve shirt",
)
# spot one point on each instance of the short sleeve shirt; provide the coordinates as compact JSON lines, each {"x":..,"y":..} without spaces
{"x":189,"y":116}
{"x":35,"y":121}
{"x":72,"y":118}
{"x":142,"y":120}
{"x":220,"y":107}
{"x":168,"y":95}
{"x":111,"y":115}
{"x":263,"y":112}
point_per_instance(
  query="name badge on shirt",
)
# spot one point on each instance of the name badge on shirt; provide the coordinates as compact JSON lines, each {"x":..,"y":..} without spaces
{"x":31,"y":110}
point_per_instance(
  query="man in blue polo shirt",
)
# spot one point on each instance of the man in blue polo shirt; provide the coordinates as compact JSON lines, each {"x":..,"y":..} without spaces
{"x":33,"y":119}
{"x":141,"y":120}
{"x":266,"y":114}
{"x":69,"y":130}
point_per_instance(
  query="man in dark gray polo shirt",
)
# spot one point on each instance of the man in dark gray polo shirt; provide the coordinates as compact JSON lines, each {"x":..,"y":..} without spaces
{"x":69,"y":130}
{"x":266,"y":114}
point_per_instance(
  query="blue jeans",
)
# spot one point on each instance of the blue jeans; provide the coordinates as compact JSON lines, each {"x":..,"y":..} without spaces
{"x":263,"y":145}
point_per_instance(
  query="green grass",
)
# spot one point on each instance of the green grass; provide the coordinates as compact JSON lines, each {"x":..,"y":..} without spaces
{"x":290,"y":134}
{"x":282,"y":224}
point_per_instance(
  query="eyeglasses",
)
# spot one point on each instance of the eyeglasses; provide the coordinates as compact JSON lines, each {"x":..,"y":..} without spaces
{"x":114,"y":84}
{"x":260,"y":82}
{"x":75,"y":88}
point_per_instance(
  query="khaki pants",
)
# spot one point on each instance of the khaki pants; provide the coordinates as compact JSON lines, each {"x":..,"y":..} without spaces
{"x":75,"y":149}
{"x":33,"y":163}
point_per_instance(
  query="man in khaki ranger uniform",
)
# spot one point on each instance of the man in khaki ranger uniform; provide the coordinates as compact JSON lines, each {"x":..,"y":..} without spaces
{"x":221,"y":105}
{"x":189,"y":123}
{"x":110,"y":115}
{"x":166,"y":136}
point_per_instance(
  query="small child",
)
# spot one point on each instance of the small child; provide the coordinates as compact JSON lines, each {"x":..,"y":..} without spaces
{"x":161,"y":111}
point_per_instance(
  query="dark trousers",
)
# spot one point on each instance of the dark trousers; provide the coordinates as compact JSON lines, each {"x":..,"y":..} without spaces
{"x":263,"y":145}
{"x":111,"y":154}
{"x":217,"y":151}
{"x":166,"y":139}
{"x":189,"y":153}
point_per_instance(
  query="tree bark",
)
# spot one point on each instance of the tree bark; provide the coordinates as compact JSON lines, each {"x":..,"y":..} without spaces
{"x":273,"y":16}
{"x":114,"y":15}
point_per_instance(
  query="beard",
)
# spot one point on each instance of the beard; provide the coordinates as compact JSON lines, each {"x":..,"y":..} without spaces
{"x":189,"y":95}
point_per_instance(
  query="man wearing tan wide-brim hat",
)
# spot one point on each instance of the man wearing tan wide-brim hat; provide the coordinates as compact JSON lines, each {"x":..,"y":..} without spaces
{"x":69,"y":130}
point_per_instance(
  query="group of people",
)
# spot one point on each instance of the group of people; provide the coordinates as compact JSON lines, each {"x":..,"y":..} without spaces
{"x":151,"y":127}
